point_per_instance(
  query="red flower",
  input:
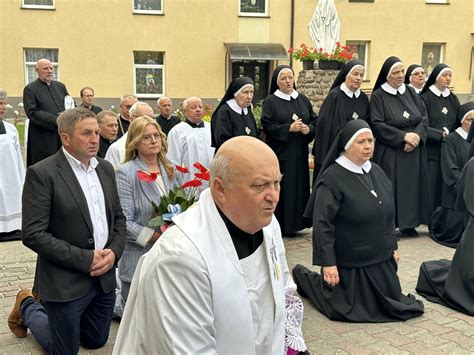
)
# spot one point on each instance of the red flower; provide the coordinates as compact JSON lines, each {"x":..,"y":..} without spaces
{"x":146,"y":176}
{"x":200,"y":167}
{"x":182,"y":168}
{"x":191,"y":183}
{"x":204,"y":176}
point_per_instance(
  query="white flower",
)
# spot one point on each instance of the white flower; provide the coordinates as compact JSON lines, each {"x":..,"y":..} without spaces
{"x":16,"y":113}
{"x":20,"y":104}
{"x":8,"y":107}
{"x":112,"y":107}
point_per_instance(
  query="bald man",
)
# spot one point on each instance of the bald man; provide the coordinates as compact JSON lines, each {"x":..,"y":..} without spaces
{"x":44,"y":101}
{"x":215,"y":282}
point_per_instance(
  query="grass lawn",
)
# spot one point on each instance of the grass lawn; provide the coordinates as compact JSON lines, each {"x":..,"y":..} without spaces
{"x":21,"y":132}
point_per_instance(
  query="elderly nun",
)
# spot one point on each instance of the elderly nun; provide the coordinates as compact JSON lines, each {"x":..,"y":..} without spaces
{"x":354,"y":237}
{"x":441,"y":106}
{"x":233,"y":116}
{"x":288,"y":122}
{"x":345,"y":102}
{"x":415,"y":77}
{"x":400,"y":125}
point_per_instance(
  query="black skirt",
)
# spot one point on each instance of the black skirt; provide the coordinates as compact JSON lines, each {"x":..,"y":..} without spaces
{"x":447,"y":226}
{"x":368,"y":294}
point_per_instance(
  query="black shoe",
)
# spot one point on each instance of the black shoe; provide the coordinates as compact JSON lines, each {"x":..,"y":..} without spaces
{"x":409,"y":232}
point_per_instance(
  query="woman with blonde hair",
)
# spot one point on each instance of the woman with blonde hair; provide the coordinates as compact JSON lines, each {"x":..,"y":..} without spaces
{"x":146,"y":150}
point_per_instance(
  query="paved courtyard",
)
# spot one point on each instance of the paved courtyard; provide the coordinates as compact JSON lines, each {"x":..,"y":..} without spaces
{"x":439,"y":330}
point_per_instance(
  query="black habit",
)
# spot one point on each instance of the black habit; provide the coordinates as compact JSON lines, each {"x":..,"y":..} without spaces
{"x":450,"y":282}
{"x":43,"y":104}
{"x":291,"y":149}
{"x":167,"y":123}
{"x":391,"y":117}
{"x":353,"y":228}
{"x":441,"y":113}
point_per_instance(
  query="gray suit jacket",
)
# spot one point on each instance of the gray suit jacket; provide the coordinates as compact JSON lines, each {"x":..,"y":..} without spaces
{"x":58,"y":227}
{"x":136,"y":197}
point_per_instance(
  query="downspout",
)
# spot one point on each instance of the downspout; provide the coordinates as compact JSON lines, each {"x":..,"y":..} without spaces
{"x":292,"y":28}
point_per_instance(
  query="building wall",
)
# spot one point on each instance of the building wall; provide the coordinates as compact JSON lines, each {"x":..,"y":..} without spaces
{"x":96,"y":39}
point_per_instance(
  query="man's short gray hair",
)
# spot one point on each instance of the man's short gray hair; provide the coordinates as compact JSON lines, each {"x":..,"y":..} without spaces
{"x":186,"y":101}
{"x":102,"y":114}
{"x":3,"y":94}
{"x":133,"y":110}
{"x":158,"y":102}
{"x":127,"y":96}
{"x":220,"y":167}
{"x":68,"y":119}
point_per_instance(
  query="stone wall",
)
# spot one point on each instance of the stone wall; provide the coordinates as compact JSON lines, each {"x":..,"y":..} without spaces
{"x":315,"y":85}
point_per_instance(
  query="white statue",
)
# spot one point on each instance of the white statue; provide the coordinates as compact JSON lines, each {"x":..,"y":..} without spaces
{"x":324,"y":26}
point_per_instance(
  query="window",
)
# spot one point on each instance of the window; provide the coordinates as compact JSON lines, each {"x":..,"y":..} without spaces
{"x":32,"y":55}
{"x":253,"y":8}
{"x":151,"y":7}
{"x":431,"y":55}
{"x":148,"y":73}
{"x":37,"y":4}
{"x":361,"y":53}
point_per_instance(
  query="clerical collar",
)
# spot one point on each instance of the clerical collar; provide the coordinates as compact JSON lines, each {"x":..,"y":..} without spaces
{"x":349,"y":92}
{"x":245,"y":244}
{"x":107,"y":140}
{"x":235,"y":107}
{"x":461,"y":132}
{"x":294,"y":94}
{"x":85,"y":106}
{"x":415,"y":88}
{"x":438,"y":93}
{"x":166,"y":118}
{"x":194,"y":125}
{"x":391,"y":90}
{"x":93,"y":162}
{"x":351,"y":166}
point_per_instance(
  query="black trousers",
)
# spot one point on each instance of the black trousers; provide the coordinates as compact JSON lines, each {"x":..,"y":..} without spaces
{"x":59,"y":327}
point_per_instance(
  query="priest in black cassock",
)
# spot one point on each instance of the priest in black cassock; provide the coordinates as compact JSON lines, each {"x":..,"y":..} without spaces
{"x":288,"y":122}
{"x":165,"y":119}
{"x":233,"y":116}
{"x":43,"y":100}
{"x":450,"y":282}
{"x":441,"y":106}
{"x":415,"y":77}
{"x":354,"y":239}
{"x":400,"y":125}
{"x":345,"y":102}
{"x":448,"y":222}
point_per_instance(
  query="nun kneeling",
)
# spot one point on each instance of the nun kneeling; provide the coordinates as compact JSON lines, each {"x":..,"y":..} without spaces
{"x":353,"y":237}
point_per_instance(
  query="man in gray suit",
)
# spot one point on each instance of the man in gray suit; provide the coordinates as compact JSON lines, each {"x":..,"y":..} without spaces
{"x":73,"y":220}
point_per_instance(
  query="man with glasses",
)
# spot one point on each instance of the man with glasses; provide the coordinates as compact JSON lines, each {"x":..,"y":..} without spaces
{"x":87,"y":98}
{"x":126,"y":102}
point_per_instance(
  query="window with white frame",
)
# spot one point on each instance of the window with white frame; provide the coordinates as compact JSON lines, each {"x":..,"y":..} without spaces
{"x":32,"y":55}
{"x":361,"y":53}
{"x":37,"y":4}
{"x":431,"y":55}
{"x":253,"y":8}
{"x":152,"y":7}
{"x":148,"y":73}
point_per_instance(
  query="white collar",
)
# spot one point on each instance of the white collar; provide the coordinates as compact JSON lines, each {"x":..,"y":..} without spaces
{"x":438,"y":93}
{"x":461,"y":132}
{"x":93,"y":162}
{"x":391,"y":90}
{"x":294,"y":94}
{"x":348,"y":164}
{"x":415,"y":88}
{"x":349,"y":92}
{"x":235,"y":107}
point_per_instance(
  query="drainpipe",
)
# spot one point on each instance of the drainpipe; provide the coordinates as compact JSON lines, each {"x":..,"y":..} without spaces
{"x":292,"y":28}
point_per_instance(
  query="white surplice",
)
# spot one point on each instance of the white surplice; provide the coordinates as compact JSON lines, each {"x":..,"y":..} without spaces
{"x":12,"y":177}
{"x":189,"y":294}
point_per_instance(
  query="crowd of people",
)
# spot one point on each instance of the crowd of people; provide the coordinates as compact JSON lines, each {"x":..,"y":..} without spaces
{"x":398,"y":160}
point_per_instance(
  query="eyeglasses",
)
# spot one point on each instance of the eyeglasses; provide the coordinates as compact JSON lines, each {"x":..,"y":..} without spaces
{"x":150,"y":138}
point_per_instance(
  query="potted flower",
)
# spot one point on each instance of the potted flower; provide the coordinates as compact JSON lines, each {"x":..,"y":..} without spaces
{"x":307,"y":55}
{"x":334,"y":60}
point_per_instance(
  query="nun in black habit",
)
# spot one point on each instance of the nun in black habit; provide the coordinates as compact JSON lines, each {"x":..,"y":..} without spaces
{"x":400,"y":125}
{"x":441,"y":106}
{"x":450,"y":282}
{"x":354,"y":237}
{"x":415,"y":77}
{"x":345,"y":102}
{"x":447,"y":223}
{"x":288,"y":122}
{"x":233,"y":116}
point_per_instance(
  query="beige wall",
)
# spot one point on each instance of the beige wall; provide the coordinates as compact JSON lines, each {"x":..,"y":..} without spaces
{"x":96,"y":39}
